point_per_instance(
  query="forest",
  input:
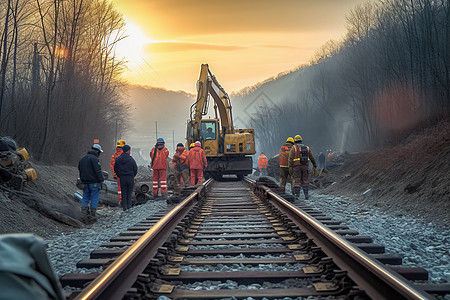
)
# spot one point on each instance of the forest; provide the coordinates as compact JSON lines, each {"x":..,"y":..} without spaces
{"x":60,"y":85}
{"x":388,"y":77}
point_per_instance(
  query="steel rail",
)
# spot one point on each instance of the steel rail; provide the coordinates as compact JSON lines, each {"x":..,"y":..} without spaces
{"x":116,"y":279}
{"x":370,"y":275}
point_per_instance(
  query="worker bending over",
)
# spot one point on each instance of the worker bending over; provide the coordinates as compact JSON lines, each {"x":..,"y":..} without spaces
{"x":181,"y":168}
{"x":299,"y":158}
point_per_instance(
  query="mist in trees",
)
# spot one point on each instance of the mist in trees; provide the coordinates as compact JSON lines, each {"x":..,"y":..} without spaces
{"x":386,"y":78}
{"x":59,"y":83}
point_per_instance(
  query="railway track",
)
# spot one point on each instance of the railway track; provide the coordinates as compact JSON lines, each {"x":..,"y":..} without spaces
{"x":241,"y":239}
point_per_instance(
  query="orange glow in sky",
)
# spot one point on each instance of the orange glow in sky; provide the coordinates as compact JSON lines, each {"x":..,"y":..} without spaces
{"x":243,"y":41}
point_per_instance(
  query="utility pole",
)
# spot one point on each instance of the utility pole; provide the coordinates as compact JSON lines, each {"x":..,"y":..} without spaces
{"x":156,"y":125}
{"x":116,"y":137}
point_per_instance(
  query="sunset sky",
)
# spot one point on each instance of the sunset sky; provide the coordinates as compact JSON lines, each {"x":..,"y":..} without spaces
{"x":243,"y":41}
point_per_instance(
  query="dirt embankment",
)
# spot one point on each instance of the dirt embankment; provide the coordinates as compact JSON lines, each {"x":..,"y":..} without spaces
{"x":40,"y":206}
{"x":410,"y":178}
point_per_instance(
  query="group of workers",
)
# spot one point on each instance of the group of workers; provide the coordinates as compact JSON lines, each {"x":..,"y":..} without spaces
{"x":187,"y":163}
{"x":294,"y":159}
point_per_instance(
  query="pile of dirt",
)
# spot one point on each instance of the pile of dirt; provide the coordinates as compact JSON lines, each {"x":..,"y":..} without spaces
{"x":410,"y":178}
{"x":45,"y":206}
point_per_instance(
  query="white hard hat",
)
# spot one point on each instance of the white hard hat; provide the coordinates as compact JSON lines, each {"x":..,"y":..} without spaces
{"x":97,"y":147}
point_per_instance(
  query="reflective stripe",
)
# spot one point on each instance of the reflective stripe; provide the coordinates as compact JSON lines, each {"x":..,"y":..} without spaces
{"x":298,"y":159}
{"x":283,"y":166}
{"x":119,"y":192}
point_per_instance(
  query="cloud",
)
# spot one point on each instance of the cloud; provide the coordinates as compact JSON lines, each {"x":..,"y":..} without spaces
{"x":174,"y":46}
{"x":177,"y":19}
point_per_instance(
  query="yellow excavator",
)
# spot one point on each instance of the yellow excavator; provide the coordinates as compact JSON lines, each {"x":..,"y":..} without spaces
{"x":227,"y":149}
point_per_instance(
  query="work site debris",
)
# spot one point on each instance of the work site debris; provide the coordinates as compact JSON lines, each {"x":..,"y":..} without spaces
{"x":15,"y":169}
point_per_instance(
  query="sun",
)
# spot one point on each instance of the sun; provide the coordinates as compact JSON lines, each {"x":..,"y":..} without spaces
{"x":132,"y":47}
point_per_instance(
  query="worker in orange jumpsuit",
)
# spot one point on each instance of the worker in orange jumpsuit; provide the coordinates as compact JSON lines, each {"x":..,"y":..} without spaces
{"x":299,"y":159}
{"x":181,"y":168}
{"x":119,"y":152}
{"x":197,"y":162}
{"x":159,"y":155}
{"x":262,"y":164}
{"x":284,"y":164}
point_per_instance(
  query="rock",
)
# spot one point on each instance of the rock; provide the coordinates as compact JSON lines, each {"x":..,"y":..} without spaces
{"x":412,"y":188}
{"x":367,"y":193}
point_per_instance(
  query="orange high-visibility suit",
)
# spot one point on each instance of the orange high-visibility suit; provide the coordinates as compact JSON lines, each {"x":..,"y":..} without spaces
{"x":159,"y":166}
{"x":197,"y":162}
{"x":262,"y":164}
{"x":111,"y":164}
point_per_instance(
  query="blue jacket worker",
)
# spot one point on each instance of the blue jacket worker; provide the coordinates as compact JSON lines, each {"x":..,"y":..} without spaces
{"x":126,"y":170}
{"x":92,"y":177}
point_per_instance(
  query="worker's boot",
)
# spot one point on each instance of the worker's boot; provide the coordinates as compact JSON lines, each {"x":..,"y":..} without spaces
{"x":305,"y":190}
{"x":84,"y":214}
{"x":93,"y":214}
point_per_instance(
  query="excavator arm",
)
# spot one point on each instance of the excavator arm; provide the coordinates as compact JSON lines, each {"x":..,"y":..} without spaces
{"x":209,"y":85}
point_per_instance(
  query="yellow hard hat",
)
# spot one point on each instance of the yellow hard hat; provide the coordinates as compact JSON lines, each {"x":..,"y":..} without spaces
{"x":192,"y":145}
{"x":290,"y":139}
{"x":298,"y":138}
{"x":121,"y":143}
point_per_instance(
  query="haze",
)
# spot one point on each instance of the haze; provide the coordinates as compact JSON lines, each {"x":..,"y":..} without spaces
{"x":244,"y":42}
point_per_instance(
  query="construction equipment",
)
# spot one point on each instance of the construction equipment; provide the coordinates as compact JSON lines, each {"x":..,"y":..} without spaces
{"x":227,"y":149}
{"x":15,"y":169}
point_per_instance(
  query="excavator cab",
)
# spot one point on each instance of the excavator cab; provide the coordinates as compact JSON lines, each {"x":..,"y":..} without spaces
{"x":209,"y":134}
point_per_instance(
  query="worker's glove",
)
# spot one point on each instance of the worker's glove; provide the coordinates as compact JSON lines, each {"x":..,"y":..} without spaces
{"x":316,"y":173}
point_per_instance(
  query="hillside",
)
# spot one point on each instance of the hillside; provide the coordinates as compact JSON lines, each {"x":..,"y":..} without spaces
{"x":275,"y":90}
{"x":149,"y":105}
{"x":410,"y":178}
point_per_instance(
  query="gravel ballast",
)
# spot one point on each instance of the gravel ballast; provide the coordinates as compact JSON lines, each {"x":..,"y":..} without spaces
{"x":66,"y":250}
{"x":421,"y":244}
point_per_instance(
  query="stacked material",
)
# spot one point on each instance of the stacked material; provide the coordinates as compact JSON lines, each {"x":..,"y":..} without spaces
{"x":15,"y":169}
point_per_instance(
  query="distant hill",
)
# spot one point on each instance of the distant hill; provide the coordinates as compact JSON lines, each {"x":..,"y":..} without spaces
{"x":276,"y":90}
{"x":149,"y":105}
